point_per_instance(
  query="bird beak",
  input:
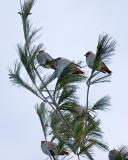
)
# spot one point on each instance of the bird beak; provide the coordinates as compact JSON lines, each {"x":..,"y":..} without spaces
{"x":52,"y":64}
{"x":41,"y":51}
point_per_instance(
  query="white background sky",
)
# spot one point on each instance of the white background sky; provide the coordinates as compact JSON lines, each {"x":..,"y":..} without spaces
{"x":70,"y":28}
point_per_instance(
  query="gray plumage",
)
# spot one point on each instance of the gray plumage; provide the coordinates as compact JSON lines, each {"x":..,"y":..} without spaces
{"x":61,"y":63}
{"x":43,"y":58}
{"x":90,"y":58}
{"x":112,"y":154}
{"x":50,"y":149}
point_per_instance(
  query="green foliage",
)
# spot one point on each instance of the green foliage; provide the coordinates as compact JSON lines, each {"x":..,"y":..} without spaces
{"x":119,"y":154}
{"x":101,"y":104}
{"x":67,"y":77}
{"x":72,"y":125}
{"x":46,"y":80}
{"x":26,"y":8}
{"x":122,"y":153}
{"x":105,"y":49}
{"x":16,"y":79}
{"x":43,"y":116}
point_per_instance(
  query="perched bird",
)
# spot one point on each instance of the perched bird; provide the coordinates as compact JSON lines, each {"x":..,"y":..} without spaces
{"x":113,"y":154}
{"x":62,"y":63}
{"x":50,"y":149}
{"x":45,"y":60}
{"x":90,"y":58}
{"x":118,"y":154}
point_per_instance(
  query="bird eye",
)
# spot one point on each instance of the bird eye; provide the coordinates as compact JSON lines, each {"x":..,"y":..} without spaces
{"x":87,"y":54}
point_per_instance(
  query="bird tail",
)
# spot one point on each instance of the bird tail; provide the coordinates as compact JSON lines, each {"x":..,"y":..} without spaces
{"x":105,"y":69}
{"x":53,"y":157}
{"x":63,"y":152}
{"x":78,"y":71}
{"x":109,"y":72}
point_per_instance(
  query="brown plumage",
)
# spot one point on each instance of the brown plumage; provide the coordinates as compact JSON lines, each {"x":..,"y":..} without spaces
{"x":63,"y":152}
{"x":90,"y":58}
{"x":78,"y":71}
{"x":62,"y":63}
{"x":103,"y":68}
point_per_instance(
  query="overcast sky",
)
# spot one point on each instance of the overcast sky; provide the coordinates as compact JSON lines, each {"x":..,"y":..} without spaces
{"x":70,"y":28}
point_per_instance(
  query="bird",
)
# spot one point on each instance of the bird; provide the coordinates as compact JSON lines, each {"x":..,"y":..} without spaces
{"x":62,"y":63}
{"x":90,"y":58}
{"x":118,"y":154}
{"x":45,"y":60}
{"x":113,"y":154}
{"x":50,"y":149}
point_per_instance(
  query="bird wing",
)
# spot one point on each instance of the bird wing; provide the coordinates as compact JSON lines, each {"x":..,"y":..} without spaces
{"x":52,"y":147}
{"x":61,"y":63}
{"x":103,"y":68}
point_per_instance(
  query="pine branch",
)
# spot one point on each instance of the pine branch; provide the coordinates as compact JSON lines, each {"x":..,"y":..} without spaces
{"x":123,"y":151}
{"x":68,"y":94}
{"x":105,"y":49}
{"x":46,"y":81}
{"x":67,"y":77}
{"x":120,"y":153}
{"x":56,"y":106}
{"x":43,"y":115}
{"x":100,"y":79}
{"x":101,"y":104}
{"x":17,"y":80}
{"x":29,"y":35}
{"x":71,"y":124}
{"x":25,"y":12}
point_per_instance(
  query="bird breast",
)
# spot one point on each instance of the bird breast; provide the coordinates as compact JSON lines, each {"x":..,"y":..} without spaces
{"x":90,"y":61}
{"x":61,"y":64}
{"x":45,"y":147}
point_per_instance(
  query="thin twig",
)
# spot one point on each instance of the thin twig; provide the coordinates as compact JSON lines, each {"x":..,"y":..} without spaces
{"x":78,"y":157}
{"x":88,"y":89}
{"x":27,"y":48}
{"x":87,"y":97}
{"x":56,"y":105}
{"x":99,"y":79}
{"x":44,"y":98}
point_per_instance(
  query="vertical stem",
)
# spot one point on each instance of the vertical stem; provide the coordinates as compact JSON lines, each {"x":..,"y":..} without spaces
{"x":56,"y":105}
{"x":88,"y":89}
{"x":44,"y":98}
{"x":78,"y":157}
{"x":42,"y":125}
{"x":87,"y":98}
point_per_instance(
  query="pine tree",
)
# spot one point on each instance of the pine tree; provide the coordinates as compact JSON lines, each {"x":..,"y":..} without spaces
{"x":73,"y":127}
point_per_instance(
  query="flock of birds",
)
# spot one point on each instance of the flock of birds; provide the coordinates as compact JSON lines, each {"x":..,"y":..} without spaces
{"x":58,"y":64}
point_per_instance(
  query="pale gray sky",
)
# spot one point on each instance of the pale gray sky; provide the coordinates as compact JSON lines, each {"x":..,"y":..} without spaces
{"x":70,"y":28}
